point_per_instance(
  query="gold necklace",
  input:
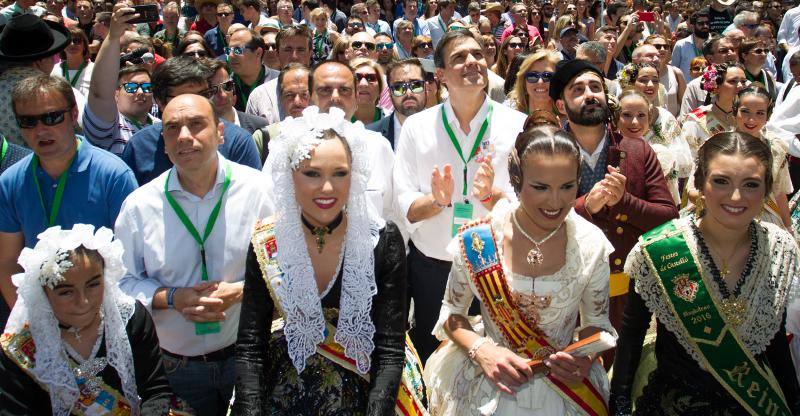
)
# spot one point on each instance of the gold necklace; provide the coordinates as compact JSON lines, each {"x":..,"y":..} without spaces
{"x":534,"y":257}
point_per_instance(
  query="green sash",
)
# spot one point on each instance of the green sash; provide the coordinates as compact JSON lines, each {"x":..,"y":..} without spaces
{"x":705,"y":328}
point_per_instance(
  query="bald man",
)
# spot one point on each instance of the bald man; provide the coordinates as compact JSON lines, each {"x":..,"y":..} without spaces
{"x":194,"y":288}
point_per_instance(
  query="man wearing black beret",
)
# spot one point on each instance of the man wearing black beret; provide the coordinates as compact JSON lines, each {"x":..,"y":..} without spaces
{"x":622,"y":188}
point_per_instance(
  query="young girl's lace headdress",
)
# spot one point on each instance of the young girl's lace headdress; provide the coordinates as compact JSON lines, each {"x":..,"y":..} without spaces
{"x":44,"y":266}
{"x":304,"y":322}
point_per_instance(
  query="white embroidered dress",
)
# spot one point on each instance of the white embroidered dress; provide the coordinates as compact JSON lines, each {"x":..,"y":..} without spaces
{"x":458,"y":387}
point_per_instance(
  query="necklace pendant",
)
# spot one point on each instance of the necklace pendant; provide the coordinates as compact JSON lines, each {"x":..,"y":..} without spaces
{"x":319,"y":235}
{"x":76,"y":332}
{"x":535,"y":256}
{"x":734,"y":309}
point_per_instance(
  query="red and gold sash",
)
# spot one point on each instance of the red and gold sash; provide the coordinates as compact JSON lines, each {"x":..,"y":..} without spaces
{"x":479,"y":249}
{"x":411,"y":391}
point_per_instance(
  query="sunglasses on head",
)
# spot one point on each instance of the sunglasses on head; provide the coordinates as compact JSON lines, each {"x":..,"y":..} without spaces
{"x":223,"y":14}
{"x":371,"y":78}
{"x":357,"y":44}
{"x":197,"y":54}
{"x":236,"y":50}
{"x":48,"y":119}
{"x":399,"y":89}
{"x":132,"y":87}
{"x":533,"y":77}
{"x":226,"y":86}
{"x":384,"y":45}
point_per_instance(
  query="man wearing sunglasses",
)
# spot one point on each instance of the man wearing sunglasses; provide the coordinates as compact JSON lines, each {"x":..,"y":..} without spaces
{"x":691,"y":47}
{"x":362,"y":44}
{"x":406,"y":80}
{"x":66,"y":181}
{"x":224,"y":98}
{"x":121,"y":100}
{"x":436,"y":185}
{"x":215,"y":38}
{"x":245,"y":50}
{"x":182,"y":75}
{"x":384,"y":49}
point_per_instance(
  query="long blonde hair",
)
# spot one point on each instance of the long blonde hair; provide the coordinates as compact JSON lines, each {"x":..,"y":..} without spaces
{"x":520,"y":91}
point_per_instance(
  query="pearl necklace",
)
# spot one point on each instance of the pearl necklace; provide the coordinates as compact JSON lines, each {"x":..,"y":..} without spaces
{"x":534,"y":257}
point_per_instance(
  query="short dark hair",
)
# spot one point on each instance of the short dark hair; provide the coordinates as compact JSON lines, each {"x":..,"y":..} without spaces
{"x":401,"y":63}
{"x":794,"y":59}
{"x":215,"y":65}
{"x":177,"y":71}
{"x":256,"y":41}
{"x":698,"y":14}
{"x":711,"y":43}
{"x":256,"y":4}
{"x":733,"y":143}
{"x":292,"y":31}
{"x":293,"y":66}
{"x":614,"y":7}
{"x":132,"y":69}
{"x":449,"y":37}
{"x":37,"y":85}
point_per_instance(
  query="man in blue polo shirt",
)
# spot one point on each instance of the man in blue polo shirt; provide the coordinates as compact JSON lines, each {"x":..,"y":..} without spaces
{"x":183,"y":75}
{"x":64,"y":182}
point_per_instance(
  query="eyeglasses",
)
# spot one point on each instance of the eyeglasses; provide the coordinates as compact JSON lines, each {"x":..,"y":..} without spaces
{"x":726,"y":50}
{"x":197,"y":54}
{"x":515,"y":45}
{"x":226,"y":86}
{"x":660,"y":46}
{"x":271,"y":46}
{"x":76,"y":41}
{"x":400,"y":89}
{"x":427,"y":45}
{"x":371,"y":78}
{"x":223,"y":14}
{"x":48,"y":119}
{"x":696,"y":68}
{"x":532,"y":77}
{"x":355,"y":25}
{"x":384,"y":45}
{"x":759,"y":51}
{"x":236,"y":50}
{"x":357,"y":44}
{"x":132,"y":87}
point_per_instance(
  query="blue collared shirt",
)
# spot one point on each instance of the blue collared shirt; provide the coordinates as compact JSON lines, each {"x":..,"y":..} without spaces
{"x":146,"y":156}
{"x":97,"y":184}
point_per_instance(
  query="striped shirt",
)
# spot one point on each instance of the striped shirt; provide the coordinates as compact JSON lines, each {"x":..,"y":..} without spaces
{"x":111,"y":136}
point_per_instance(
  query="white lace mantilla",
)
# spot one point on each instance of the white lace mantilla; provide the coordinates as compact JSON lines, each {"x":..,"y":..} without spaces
{"x":293,"y":278}
{"x":32,"y":308}
{"x":766,"y":289}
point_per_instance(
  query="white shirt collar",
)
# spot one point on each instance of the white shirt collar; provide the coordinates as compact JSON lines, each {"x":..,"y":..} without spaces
{"x":591,"y":159}
{"x":175,"y":184}
{"x":474,"y":124}
{"x":397,"y":124}
{"x":236,"y":118}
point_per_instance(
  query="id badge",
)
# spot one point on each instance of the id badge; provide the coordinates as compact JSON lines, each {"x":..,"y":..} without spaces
{"x":462,"y":214}
{"x":205,"y":328}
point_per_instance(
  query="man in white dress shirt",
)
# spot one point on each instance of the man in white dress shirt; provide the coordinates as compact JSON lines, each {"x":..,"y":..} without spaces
{"x":186,"y":235}
{"x":451,"y":166}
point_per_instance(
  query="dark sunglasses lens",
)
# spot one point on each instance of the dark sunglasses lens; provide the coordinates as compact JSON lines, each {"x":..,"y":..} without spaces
{"x":130,"y":87}
{"x":271,"y":46}
{"x":52,"y":118}
{"x":146,"y":87}
{"x":223,"y":14}
{"x":398,"y":90}
{"x":77,"y":41}
{"x":27,"y":122}
{"x":227,"y":86}
{"x":417,"y":86}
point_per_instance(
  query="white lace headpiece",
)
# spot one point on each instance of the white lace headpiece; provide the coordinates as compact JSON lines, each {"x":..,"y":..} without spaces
{"x":44,"y":265}
{"x":304,"y":322}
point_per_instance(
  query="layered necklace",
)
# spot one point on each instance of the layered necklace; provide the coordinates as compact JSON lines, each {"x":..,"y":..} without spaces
{"x":534,"y":257}
{"x":320,"y":232}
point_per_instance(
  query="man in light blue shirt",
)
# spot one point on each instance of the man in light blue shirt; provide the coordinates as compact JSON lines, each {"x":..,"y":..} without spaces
{"x":20,"y":7}
{"x":65,"y":182}
{"x":691,"y":46}
{"x":410,"y":13}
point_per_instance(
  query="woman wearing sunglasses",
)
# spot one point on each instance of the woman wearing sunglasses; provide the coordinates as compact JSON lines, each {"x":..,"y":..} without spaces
{"x":369,"y":84}
{"x":75,"y":65}
{"x":422,"y":47}
{"x":670,"y":77}
{"x":531,"y":93}
{"x":753,"y":54}
{"x":509,"y":49}
{"x":194,"y":47}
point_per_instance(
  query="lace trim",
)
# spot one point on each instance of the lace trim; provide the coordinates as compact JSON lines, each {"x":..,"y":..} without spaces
{"x":294,"y":285}
{"x":765,"y":289}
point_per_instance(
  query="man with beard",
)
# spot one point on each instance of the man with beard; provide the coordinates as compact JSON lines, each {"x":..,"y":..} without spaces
{"x":691,"y":46}
{"x":622,"y":188}
{"x":716,"y":50}
{"x":215,"y":37}
{"x":384,"y":47}
{"x":451,"y":167}
{"x":406,"y":80}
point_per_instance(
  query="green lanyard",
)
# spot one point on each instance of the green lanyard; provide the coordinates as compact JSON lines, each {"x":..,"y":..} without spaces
{"x":65,"y":71}
{"x":137,"y":124}
{"x":319,"y":45}
{"x":475,"y":146}
{"x":212,"y":218}
{"x":375,"y":117}
{"x":4,"y":150}
{"x":221,"y":38}
{"x":62,"y":183}
{"x":246,"y":95}
{"x":752,"y":78}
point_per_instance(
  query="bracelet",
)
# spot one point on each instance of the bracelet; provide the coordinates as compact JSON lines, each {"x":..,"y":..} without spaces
{"x":441,"y":206}
{"x":486,"y":199}
{"x":475,"y":346}
{"x":171,"y":297}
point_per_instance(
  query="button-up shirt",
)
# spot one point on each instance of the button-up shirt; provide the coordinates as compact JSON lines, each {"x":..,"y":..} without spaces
{"x":160,"y":252}
{"x":684,"y":51}
{"x":424,"y":143}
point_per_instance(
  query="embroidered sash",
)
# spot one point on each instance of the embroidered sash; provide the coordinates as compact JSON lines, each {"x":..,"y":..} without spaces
{"x":480,"y":252}
{"x":95,"y":398}
{"x":411,"y":391}
{"x":705,"y":328}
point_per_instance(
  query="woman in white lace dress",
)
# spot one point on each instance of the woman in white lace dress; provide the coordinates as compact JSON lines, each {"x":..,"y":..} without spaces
{"x":552,"y":267}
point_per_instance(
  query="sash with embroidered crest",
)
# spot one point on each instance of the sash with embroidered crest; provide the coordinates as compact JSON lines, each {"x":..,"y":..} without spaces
{"x":479,"y":249}
{"x":705,"y":328}
{"x":95,"y":397}
{"x":411,"y":391}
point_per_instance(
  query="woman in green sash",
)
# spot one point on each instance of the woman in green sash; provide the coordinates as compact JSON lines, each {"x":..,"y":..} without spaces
{"x":536,"y":268}
{"x":334,"y":276}
{"x":718,"y":283}
{"x":74,"y":343}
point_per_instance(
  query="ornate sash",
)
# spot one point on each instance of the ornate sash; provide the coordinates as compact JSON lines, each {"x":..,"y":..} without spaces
{"x":95,"y":398}
{"x":705,"y":329}
{"x":480,"y":252}
{"x":411,"y":391}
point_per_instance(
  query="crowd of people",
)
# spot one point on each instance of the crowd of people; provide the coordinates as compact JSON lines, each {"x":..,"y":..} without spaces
{"x":409,"y":207}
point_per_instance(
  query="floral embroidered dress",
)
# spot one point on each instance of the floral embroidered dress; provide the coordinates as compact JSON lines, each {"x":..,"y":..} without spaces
{"x":699,"y":125}
{"x":457,"y":387}
{"x":671,"y":148}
